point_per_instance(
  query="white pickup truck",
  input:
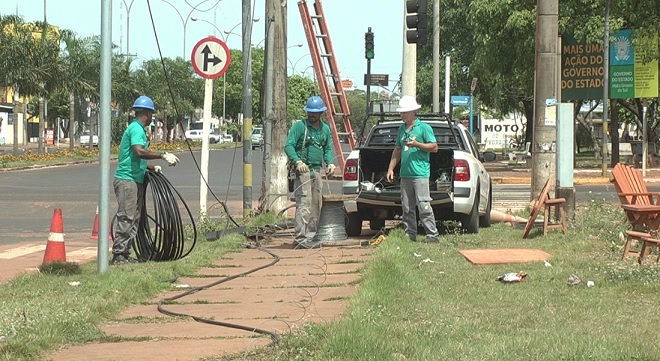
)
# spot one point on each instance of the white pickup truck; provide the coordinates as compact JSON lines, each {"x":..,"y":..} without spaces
{"x":461,"y":188}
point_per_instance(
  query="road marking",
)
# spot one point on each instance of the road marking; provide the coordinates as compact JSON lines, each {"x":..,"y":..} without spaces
{"x":21,"y":251}
{"x":83,"y":254}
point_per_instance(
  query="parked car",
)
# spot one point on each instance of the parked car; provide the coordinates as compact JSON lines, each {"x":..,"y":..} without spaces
{"x":257,"y":137}
{"x":196,"y":135}
{"x":227,"y":138}
{"x":84,"y":139}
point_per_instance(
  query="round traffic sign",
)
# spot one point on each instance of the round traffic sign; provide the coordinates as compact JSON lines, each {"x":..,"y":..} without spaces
{"x":210,"y":57}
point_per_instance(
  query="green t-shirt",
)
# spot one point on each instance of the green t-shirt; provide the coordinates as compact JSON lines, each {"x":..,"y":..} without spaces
{"x":129,"y":166}
{"x":414,"y":161}
{"x":313,"y":148}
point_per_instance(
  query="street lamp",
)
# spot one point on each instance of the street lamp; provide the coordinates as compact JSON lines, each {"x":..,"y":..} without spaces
{"x":184,"y":22}
{"x":128,"y":25}
{"x":293,"y":65}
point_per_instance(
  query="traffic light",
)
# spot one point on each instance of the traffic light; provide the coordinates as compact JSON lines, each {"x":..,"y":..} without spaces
{"x":417,"y":21}
{"x":369,"y":45}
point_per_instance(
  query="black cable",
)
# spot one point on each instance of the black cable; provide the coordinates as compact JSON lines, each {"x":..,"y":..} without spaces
{"x":168,"y":243}
{"x":274,"y":337}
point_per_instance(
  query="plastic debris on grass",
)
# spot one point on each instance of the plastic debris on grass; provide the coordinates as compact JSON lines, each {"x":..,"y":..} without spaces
{"x":512,"y":277}
{"x":573,"y":280}
{"x":426,"y":260}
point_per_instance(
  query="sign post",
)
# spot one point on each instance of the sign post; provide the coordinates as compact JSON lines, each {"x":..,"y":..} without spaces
{"x":210,"y":59}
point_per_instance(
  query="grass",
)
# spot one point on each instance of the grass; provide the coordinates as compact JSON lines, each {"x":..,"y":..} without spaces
{"x":449,"y":309}
{"x":404,"y":309}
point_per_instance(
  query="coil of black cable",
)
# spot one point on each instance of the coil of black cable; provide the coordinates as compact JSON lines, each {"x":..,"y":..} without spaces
{"x":168,"y":241}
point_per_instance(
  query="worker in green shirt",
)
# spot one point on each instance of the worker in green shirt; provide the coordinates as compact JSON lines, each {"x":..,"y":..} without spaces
{"x":131,"y":167}
{"x":414,"y":142}
{"x":308,"y":146}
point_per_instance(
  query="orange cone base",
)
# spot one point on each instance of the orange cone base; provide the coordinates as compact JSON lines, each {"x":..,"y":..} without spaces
{"x":501,"y":217}
{"x":55,"y":252}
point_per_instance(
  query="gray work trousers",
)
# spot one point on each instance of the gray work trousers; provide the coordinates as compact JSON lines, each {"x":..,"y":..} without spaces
{"x":415,"y":193}
{"x":307,"y":190}
{"x":129,"y":199}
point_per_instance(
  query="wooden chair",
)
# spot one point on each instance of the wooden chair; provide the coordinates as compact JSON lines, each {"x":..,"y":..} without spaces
{"x":640,"y":206}
{"x":546,"y":202}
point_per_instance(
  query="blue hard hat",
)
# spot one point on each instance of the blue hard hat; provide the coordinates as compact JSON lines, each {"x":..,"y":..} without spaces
{"x":144,"y":102}
{"x":315,"y":105}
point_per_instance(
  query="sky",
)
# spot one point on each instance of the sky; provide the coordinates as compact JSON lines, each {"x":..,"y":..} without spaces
{"x":347,"y":21}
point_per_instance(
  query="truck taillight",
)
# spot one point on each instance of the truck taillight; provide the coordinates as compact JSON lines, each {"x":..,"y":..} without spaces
{"x":461,"y":170}
{"x":351,"y":170}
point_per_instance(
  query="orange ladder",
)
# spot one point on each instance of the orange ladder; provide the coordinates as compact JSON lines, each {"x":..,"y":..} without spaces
{"x":327,"y":74}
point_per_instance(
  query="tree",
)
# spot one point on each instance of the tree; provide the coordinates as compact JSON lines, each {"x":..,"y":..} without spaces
{"x":27,"y":63}
{"x":80,"y":74}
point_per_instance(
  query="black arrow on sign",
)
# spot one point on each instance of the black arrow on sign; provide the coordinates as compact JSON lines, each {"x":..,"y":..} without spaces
{"x":207,"y":58}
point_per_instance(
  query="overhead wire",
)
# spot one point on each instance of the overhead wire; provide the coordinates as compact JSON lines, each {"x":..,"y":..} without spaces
{"x":178,"y":115}
{"x":161,"y":248}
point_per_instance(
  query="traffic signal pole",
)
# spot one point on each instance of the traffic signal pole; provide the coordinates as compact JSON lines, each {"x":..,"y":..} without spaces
{"x":369,"y":54}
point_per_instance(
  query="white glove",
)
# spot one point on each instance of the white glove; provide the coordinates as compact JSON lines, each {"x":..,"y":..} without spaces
{"x":158,"y":169}
{"x":170,"y":158}
{"x":301,"y":167}
{"x":330,"y":169}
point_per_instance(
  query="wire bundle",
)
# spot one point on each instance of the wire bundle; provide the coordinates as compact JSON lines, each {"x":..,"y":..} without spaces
{"x":168,"y":240}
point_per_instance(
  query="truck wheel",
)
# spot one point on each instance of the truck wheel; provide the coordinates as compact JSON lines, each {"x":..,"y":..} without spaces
{"x":484,"y":221}
{"x":470,"y":222}
{"x":354,"y":224}
{"x":376,"y":224}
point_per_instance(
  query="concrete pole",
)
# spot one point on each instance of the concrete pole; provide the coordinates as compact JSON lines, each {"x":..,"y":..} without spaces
{"x":278,"y":194}
{"x":447,"y":85}
{"x":543,"y":146}
{"x":247,"y":108}
{"x":409,"y":73}
{"x":104,"y":139}
{"x":15,"y":119}
{"x":436,"y":56}
{"x":267,"y":111}
{"x":606,"y":81}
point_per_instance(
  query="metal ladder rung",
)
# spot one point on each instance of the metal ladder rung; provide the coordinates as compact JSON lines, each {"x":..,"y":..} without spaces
{"x":326,"y":55}
{"x":317,"y":17}
{"x":336,"y":94}
{"x":321,"y":36}
{"x":340,"y":114}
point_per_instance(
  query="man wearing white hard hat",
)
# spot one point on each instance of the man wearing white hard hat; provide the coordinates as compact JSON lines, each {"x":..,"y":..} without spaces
{"x":414,"y":142}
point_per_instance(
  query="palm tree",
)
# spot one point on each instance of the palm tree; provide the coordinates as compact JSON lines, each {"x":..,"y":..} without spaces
{"x":80,"y":73}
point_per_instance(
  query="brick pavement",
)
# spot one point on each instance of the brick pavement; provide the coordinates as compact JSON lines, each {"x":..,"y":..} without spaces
{"x":304,"y":286}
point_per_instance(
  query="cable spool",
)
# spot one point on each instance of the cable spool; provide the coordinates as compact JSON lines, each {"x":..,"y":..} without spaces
{"x":332,"y":221}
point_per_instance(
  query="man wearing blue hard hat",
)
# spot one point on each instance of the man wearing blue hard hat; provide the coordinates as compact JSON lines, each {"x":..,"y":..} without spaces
{"x":308,"y":146}
{"x":131,"y":167}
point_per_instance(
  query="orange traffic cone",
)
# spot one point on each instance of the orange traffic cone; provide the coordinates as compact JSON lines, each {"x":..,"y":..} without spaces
{"x":55,"y":247}
{"x":95,"y":228}
{"x":501,"y":217}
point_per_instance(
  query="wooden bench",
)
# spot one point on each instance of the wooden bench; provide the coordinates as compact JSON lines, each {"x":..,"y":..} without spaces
{"x":640,"y":206}
{"x":546,"y":202}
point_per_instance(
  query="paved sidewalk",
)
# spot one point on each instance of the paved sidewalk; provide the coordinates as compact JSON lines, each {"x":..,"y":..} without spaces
{"x":304,"y":286}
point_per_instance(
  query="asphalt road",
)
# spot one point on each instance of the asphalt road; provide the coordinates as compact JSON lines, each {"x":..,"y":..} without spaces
{"x":29,"y":197}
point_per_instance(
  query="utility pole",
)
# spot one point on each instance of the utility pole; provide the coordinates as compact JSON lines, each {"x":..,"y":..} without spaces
{"x":275,"y":109}
{"x":543,"y":146}
{"x":247,"y":108}
{"x":606,"y":96}
{"x":436,"y":56}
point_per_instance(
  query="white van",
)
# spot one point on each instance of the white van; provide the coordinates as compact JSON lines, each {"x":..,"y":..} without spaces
{"x":257,"y":137}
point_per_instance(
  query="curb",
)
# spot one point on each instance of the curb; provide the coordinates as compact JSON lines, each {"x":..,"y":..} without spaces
{"x":526,"y":180}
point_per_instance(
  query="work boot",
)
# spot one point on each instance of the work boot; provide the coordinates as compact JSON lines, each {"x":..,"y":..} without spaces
{"x":118,"y":259}
{"x":431,"y":239}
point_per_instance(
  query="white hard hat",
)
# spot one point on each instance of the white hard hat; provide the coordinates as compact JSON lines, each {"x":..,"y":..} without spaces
{"x":407,"y":103}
